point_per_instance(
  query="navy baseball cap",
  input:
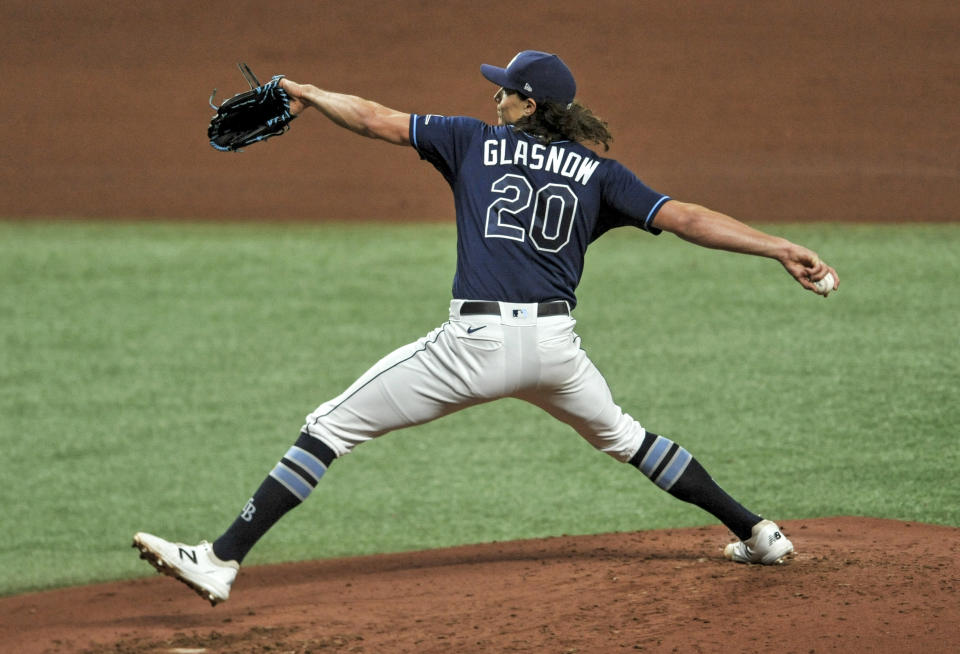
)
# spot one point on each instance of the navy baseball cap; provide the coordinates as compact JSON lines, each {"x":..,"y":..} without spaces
{"x":538,"y":75}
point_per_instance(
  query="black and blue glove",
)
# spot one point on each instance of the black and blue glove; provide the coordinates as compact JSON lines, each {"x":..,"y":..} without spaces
{"x":251,"y":116}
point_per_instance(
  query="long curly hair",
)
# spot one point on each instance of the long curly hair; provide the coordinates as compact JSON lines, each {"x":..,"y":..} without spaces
{"x":554,"y":121}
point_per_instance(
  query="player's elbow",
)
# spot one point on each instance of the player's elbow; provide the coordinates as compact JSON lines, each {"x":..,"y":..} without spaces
{"x":681,"y":218}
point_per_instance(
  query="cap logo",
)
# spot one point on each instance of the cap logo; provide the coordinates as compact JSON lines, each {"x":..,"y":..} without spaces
{"x":527,"y":87}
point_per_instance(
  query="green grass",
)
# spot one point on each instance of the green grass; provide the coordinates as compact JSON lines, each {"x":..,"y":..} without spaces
{"x":152,"y":374}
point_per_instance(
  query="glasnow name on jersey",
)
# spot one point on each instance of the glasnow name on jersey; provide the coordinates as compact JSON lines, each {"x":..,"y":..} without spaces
{"x":538,"y":156}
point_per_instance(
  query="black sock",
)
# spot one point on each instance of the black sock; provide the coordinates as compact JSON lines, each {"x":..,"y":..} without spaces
{"x":289,"y":483}
{"x":675,"y":470}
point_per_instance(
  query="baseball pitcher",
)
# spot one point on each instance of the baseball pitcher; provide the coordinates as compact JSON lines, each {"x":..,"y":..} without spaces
{"x":530,"y":197}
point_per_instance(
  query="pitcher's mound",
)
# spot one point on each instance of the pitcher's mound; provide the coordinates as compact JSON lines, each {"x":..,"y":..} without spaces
{"x":854,"y":585}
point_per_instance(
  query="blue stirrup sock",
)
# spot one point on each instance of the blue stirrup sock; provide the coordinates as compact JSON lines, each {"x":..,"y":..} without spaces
{"x":674,"y":470}
{"x":289,"y":483}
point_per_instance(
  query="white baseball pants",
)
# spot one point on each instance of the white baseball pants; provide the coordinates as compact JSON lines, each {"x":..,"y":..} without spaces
{"x":473,"y":359}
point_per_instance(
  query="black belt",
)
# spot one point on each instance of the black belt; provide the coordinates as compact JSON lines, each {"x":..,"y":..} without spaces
{"x":473,"y":308}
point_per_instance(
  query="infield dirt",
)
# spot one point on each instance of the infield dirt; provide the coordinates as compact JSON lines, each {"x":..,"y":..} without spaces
{"x":854,"y":585}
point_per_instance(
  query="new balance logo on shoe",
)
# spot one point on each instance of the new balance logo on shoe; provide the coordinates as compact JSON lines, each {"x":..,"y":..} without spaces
{"x":196,"y":566}
{"x":767,"y":546}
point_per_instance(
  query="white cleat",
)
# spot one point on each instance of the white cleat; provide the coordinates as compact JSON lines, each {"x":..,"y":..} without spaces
{"x":767,"y":545}
{"x":195,"y":565}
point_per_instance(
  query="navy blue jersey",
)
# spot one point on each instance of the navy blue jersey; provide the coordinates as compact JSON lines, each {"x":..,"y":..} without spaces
{"x":526,"y":211}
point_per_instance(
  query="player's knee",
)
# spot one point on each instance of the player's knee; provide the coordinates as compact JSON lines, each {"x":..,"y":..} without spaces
{"x":621,"y":442}
{"x":329,"y":438}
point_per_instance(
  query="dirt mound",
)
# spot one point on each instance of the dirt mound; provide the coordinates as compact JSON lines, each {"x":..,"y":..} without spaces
{"x":854,"y":585}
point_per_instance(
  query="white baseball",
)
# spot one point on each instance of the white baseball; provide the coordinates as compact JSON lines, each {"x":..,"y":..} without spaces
{"x":825,"y":285}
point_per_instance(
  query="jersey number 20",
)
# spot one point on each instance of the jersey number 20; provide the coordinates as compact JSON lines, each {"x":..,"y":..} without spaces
{"x":550,"y":221}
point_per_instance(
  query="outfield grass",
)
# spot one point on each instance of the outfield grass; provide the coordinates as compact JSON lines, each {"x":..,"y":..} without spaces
{"x":152,"y":374}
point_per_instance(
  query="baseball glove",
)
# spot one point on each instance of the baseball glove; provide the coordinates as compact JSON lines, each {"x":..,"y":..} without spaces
{"x":251,"y":116}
